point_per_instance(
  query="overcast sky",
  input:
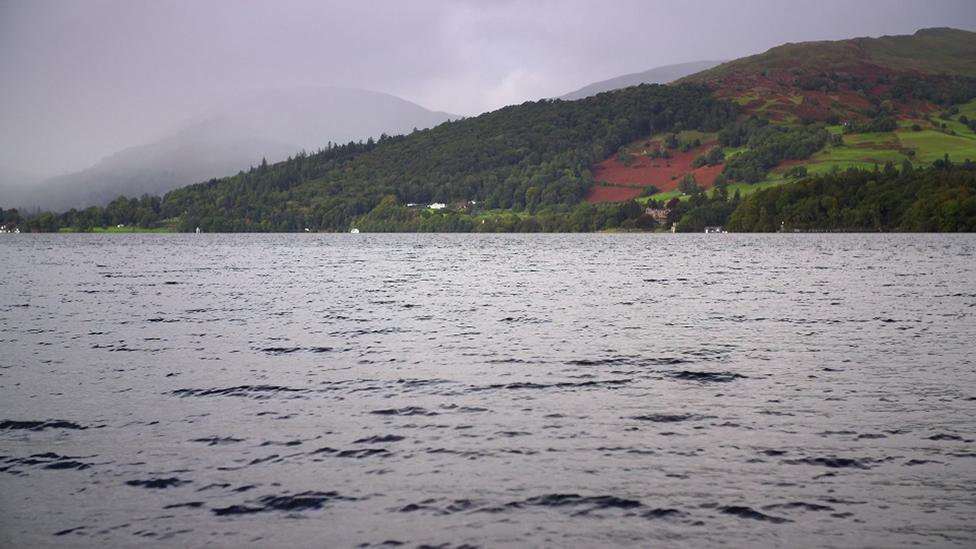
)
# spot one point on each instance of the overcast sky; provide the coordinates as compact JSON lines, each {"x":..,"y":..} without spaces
{"x":80,"y":79}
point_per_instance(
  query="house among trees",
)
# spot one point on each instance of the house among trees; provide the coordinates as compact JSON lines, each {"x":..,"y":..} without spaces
{"x":660,"y":215}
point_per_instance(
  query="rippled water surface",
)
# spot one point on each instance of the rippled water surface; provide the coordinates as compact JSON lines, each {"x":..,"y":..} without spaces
{"x":524,"y":390}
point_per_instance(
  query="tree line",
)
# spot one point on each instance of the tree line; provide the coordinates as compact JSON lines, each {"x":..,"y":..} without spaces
{"x":10,"y":217}
{"x":937,"y":199}
{"x":941,"y":198}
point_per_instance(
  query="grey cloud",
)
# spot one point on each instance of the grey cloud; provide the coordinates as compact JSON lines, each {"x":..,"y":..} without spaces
{"x":83,"y":79}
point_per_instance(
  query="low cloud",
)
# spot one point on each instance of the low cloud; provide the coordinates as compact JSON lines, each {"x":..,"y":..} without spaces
{"x":85,"y":79}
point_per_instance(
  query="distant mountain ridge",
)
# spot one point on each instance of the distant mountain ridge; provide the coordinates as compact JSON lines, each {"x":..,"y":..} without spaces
{"x":658,"y":75}
{"x":268,"y":125}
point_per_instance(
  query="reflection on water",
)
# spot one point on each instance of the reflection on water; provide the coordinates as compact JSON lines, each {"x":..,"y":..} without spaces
{"x":536,"y":390}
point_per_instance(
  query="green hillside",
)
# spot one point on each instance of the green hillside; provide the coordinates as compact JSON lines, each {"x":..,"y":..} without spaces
{"x":941,"y":199}
{"x":919,"y":142}
{"x":922,"y":85}
{"x":528,"y":156}
{"x":812,"y":109}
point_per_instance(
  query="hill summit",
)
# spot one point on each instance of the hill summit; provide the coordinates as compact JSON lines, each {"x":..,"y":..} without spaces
{"x":842,"y":79}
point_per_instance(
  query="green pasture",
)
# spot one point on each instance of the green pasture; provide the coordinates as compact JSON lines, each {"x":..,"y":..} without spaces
{"x":931,"y":145}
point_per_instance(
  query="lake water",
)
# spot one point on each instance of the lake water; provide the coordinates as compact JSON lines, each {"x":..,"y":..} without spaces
{"x":495,"y":391}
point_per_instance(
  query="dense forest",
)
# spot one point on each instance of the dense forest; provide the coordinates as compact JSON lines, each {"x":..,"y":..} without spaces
{"x":767,"y":146}
{"x":938,"y":199}
{"x":390,"y":216}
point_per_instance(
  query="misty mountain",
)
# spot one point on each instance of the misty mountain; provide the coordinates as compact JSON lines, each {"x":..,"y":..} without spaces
{"x":15,"y":185}
{"x":226,"y":140}
{"x":659,"y":75}
{"x":311,"y":117}
{"x":212,"y":148}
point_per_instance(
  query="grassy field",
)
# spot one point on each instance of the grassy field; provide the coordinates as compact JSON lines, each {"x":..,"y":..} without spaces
{"x":864,"y":150}
{"x":968,"y":109}
{"x":745,"y":189}
{"x":931,"y":145}
{"x":732,"y":151}
{"x":493,"y":214}
{"x":955,"y":127}
{"x":867,"y":153}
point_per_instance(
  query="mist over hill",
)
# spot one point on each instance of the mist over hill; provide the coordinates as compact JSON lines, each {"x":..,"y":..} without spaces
{"x":222,"y":141}
{"x":658,"y":75}
{"x":15,"y":185}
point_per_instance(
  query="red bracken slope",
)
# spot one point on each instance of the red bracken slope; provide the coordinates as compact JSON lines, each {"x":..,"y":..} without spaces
{"x":616,"y":182}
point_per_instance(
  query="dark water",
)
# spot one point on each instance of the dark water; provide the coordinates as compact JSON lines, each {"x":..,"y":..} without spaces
{"x":560,"y":390}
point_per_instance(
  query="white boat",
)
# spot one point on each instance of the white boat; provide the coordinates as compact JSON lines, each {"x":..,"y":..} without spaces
{"x":354,"y":231}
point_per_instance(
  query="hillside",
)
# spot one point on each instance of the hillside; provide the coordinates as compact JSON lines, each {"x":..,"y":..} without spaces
{"x":212,"y":148}
{"x":711,"y":142}
{"x":842,"y":79}
{"x":639,"y":167}
{"x":934,"y":200}
{"x":521,"y":157}
{"x":528,"y":156}
{"x":891,"y":99}
{"x":659,"y":75}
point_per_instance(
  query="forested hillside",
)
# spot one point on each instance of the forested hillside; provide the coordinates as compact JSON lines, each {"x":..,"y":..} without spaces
{"x":532,"y":155}
{"x":706,"y":152}
{"x":939,"y":199}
